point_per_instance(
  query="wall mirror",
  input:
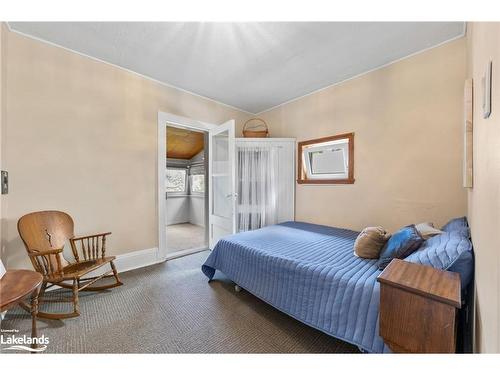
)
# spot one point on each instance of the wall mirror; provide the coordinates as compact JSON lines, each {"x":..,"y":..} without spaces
{"x":328,"y":160}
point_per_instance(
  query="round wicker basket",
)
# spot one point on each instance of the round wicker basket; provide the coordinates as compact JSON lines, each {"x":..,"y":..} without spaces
{"x":255,"y":128}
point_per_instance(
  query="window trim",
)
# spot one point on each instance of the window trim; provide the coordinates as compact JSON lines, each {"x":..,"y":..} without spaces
{"x":186,"y":188}
{"x":302,"y":174}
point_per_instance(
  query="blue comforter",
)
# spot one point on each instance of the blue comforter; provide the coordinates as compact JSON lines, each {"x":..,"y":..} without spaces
{"x":309,"y":272}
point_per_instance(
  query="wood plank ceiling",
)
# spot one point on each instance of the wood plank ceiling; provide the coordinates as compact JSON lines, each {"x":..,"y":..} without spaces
{"x":183,"y":144}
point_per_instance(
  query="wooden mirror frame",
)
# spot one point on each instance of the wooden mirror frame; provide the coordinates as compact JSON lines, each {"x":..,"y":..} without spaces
{"x":301,"y":173}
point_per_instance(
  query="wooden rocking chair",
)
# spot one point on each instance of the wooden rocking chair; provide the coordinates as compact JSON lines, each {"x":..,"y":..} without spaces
{"x":44,"y":235}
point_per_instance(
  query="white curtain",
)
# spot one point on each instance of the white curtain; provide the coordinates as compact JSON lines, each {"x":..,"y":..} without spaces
{"x":257,"y":186}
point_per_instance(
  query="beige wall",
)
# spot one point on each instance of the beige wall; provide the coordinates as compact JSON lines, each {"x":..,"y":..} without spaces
{"x":82,"y":138}
{"x":484,"y":197}
{"x":407,"y":119}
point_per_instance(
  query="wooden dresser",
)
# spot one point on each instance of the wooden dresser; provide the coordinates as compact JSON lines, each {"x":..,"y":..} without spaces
{"x":418,"y":308}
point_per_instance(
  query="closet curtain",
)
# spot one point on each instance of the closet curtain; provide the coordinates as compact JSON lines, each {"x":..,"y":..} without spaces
{"x":257,"y":187}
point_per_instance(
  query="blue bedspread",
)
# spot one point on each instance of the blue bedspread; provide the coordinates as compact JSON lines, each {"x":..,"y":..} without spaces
{"x":310,"y":273}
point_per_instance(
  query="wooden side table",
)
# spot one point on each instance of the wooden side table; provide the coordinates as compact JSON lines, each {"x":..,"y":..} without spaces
{"x":418,"y":308}
{"x":15,"y":286}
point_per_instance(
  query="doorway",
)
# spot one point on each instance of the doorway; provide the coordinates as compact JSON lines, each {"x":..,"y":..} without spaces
{"x":218,"y":182}
{"x":186,"y":190}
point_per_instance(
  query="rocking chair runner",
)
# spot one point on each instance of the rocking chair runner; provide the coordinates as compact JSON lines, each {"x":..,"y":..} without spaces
{"x":44,"y":235}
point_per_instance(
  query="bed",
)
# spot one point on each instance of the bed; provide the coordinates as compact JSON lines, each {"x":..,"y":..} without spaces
{"x":309,"y":272}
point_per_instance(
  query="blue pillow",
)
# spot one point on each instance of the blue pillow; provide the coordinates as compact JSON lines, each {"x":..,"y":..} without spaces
{"x":462,"y":232}
{"x":400,"y":245}
{"x":455,"y":224}
{"x":450,"y":251}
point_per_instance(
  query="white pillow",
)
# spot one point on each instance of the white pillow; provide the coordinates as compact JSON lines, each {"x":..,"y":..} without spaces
{"x":427,"y":230}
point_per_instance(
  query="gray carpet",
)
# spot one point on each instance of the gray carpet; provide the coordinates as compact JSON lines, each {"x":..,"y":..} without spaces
{"x":170,"y":308}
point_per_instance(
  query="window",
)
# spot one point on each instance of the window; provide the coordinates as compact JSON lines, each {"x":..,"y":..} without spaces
{"x":176,"y":180}
{"x":198,"y":184}
{"x":328,"y":160}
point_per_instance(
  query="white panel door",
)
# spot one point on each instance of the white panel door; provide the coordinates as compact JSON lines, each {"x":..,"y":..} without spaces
{"x":222,"y":181}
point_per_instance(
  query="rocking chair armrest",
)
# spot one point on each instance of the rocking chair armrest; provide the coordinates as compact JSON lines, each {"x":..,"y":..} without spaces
{"x":47,"y":262}
{"x":89,"y":247}
{"x":35,"y":253}
{"x":89,"y":236}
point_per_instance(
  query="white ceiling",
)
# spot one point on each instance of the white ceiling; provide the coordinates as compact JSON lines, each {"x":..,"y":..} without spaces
{"x":251,"y":66}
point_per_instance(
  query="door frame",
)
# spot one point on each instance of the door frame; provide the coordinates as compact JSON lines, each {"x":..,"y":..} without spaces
{"x":165,"y":118}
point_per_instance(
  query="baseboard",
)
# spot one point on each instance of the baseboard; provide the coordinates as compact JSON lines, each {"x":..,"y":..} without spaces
{"x":137,"y":259}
